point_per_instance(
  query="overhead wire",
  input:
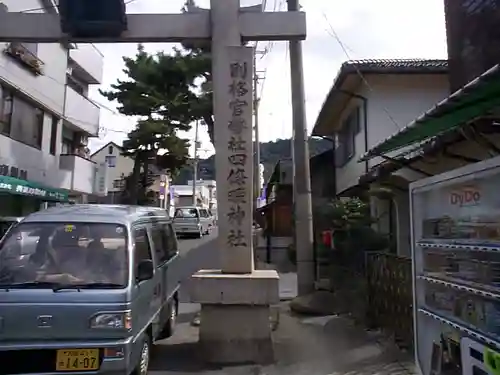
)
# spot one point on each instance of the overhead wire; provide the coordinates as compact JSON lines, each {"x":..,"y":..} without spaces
{"x":344,"y":48}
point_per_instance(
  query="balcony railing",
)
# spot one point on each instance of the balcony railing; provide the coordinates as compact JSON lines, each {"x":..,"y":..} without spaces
{"x":82,"y":176}
{"x":87,"y":63}
{"x":82,"y":112}
{"x":25,"y":57}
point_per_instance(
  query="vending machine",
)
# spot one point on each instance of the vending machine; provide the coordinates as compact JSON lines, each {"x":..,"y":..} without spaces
{"x":455,"y":220}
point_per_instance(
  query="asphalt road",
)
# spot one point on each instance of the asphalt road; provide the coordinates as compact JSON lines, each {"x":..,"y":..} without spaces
{"x":196,"y":254}
{"x":175,"y":355}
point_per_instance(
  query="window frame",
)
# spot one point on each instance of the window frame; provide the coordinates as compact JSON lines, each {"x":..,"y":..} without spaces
{"x":54,"y":127}
{"x":163,"y":253}
{"x":134,"y":230}
{"x":107,"y":158}
{"x":38,"y":113}
{"x":346,"y":136}
{"x":7,"y":96}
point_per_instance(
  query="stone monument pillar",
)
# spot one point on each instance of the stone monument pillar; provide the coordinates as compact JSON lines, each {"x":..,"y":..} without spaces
{"x":235,"y":300}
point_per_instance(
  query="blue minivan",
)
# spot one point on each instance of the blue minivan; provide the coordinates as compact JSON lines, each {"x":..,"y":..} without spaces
{"x":87,"y":289}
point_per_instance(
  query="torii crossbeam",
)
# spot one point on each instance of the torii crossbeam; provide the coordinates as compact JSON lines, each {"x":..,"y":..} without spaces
{"x":157,"y":28}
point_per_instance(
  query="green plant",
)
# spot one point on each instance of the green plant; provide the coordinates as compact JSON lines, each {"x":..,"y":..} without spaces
{"x":351,"y":222}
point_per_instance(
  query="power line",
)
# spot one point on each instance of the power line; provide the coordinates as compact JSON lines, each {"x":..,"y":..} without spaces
{"x":358,"y":71}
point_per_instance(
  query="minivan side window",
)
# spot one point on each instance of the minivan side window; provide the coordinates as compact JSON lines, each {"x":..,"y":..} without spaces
{"x":172,"y":240}
{"x":142,"y":248}
{"x":204,"y":213}
{"x":164,"y":242}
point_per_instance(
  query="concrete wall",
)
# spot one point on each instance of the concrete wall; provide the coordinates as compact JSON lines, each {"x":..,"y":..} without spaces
{"x":402,"y":97}
{"x":41,"y":166}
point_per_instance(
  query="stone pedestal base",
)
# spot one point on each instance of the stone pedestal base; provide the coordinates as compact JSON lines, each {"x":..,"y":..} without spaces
{"x":235,"y":322}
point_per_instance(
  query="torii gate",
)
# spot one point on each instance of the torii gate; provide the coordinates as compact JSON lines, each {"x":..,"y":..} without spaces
{"x":235,"y":300}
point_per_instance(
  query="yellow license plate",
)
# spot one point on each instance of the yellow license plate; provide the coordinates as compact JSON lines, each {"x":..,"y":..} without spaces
{"x":77,"y":360}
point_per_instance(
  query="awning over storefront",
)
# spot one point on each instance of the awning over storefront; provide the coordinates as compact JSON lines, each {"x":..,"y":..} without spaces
{"x":32,"y":189}
{"x":474,"y":100}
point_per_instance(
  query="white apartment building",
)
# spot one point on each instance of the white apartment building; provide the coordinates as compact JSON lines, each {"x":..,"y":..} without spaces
{"x":46,"y":119}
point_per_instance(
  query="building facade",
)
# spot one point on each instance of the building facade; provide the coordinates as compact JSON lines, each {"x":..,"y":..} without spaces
{"x":473,"y":37}
{"x":361,"y":112}
{"x":118,"y":167}
{"x":46,"y":119}
{"x":369,"y":101}
{"x":211,"y":191}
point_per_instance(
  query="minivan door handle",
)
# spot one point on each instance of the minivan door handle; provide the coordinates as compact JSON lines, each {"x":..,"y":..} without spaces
{"x":157,"y":290}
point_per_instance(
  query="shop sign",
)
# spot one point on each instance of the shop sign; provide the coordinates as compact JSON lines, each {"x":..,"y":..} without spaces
{"x":20,"y":189}
{"x":466,"y":196}
{"x":15,"y":186}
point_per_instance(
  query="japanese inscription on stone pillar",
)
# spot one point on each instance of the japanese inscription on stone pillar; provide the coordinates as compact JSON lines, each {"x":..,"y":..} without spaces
{"x":239,"y":213}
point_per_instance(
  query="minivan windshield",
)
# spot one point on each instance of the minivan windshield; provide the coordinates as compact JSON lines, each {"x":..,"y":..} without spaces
{"x":186,"y":213}
{"x":59,"y":255}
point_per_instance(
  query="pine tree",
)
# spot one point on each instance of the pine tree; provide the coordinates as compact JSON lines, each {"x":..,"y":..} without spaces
{"x":159,"y":90}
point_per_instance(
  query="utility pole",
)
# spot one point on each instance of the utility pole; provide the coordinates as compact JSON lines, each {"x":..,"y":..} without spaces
{"x":304,"y":237}
{"x":195,"y":163}
{"x":256,"y":102}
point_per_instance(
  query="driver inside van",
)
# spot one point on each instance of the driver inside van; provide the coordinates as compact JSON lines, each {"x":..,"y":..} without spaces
{"x":80,"y":257}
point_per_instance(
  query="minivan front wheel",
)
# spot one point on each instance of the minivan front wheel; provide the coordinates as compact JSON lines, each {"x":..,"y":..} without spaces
{"x":143,"y":365}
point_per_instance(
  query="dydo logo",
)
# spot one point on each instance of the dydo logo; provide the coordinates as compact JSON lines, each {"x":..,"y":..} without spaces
{"x":466,"y":196}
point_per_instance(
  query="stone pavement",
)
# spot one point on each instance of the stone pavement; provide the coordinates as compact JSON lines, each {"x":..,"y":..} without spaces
{"x":328,"y":345}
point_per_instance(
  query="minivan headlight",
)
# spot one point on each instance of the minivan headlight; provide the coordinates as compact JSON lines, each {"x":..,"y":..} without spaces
{"x":112,"y":320}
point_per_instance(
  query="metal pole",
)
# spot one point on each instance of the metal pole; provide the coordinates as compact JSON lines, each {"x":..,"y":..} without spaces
{"x":195,"y":163}
{"x":256,"y":128}
{"x":301,"y":179}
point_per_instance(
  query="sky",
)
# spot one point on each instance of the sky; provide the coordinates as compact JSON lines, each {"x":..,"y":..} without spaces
{"x":367,"y":29}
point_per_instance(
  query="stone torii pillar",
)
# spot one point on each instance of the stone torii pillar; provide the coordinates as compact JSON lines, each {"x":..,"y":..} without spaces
{"x":235,"y":313}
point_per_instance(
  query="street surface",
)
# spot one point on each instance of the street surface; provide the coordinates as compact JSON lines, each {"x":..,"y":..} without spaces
{"x":329,"y":345}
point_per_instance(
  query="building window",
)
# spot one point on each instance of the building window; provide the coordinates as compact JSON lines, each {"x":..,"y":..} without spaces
{"x":26,"y":123}
{"x":67,"y":147}
{"x":111,"y":161}
{"x":110,"y":150}
{"x":119,"y":184}
{"x":53,"y":134}
{"x":346,"y":138}
{"x":75,"y":85}
{"x":5,"y":111}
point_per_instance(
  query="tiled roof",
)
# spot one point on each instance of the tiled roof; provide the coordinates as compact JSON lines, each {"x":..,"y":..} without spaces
{"x":395,"y":64}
